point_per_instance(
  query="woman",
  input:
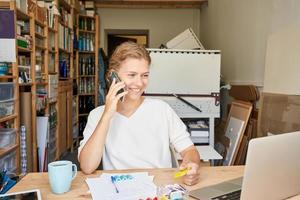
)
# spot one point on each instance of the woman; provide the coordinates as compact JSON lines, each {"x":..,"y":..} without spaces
{"x":137,"y":131}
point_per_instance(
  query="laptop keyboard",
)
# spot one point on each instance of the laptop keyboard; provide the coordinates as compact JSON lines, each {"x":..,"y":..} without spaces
{"x":229,"y":196}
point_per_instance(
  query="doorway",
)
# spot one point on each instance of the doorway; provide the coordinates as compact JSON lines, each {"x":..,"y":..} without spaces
{"x":117,"y":36}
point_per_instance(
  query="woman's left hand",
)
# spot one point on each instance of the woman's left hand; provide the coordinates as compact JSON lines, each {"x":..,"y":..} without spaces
{"x":193,"y":174}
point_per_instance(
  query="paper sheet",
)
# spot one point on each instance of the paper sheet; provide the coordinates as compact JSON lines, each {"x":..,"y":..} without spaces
{"x":8,"y":50}
{"x":139,"y":186}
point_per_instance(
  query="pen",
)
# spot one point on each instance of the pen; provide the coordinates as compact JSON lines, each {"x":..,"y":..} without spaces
{"x":187,"y":103}
{"x":113,"y":180}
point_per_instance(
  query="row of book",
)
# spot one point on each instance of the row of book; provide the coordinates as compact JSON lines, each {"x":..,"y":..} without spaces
{"x":87,"y":65}
{"x":87,"y":8}
{"x":86,"y":104}
{"x":86,"y":42}
{"x":87,"y":24}
{"x":64,"y":67}
{"x":64,"y":38}
{"x":86,"y":85}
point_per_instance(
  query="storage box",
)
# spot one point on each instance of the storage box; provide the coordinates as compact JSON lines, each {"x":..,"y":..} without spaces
{"x":185,"y":40}
{"x":6,"y":91}
{"x":7,"y":107}
{"x":41,"y":14}
{"x":22,"y":5}
{"x":31,"y":6}
{"x":8,"y":162}
{"x":7,"y":137}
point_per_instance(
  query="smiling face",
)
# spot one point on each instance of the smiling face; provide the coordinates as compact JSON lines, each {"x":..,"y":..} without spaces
{"x":135,"y":73}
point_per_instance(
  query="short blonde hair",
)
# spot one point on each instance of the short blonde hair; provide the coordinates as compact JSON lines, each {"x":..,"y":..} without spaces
{"x":124,"y":51}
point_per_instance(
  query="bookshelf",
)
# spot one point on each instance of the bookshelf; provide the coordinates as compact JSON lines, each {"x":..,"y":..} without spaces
{"x":87,"y":73}
{"x":64,"y":43}
{"x":75,"y":124}
{"x":9,"y":109}
{"x":42,"y":78}
{"x":27,"y":87}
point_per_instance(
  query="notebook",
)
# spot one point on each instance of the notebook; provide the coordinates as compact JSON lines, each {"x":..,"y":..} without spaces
{"x":271,"y":172}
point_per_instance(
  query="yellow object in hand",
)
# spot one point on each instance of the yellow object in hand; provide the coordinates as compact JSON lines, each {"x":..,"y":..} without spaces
{"x":181,"y":173}
{"x":164,"y":198}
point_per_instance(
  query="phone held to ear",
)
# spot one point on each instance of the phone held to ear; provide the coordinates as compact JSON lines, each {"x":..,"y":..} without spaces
{"x":115,"y":76}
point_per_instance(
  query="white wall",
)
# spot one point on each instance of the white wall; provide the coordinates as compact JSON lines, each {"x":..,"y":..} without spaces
{"x":163,"y":24}
{"x":282,"y":72}
{"x":240,"y":29}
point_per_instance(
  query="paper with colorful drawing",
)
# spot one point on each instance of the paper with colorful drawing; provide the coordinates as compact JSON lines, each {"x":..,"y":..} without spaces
{"x":125,"y":186}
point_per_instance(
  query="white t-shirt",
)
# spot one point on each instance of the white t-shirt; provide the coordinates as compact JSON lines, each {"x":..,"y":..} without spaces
{"x":141,"y":140}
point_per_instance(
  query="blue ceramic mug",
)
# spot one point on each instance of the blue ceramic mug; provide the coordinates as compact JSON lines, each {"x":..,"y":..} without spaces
{"x":60,"y":174}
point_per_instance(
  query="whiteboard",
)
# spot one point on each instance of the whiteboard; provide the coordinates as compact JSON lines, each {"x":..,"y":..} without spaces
{"x":184,"y":72}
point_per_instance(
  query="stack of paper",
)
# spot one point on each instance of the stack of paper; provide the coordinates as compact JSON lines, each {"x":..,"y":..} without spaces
{"x":125,"y":186}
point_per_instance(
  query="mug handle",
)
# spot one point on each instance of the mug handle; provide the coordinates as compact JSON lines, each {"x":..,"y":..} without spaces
{"x":74,"y":170}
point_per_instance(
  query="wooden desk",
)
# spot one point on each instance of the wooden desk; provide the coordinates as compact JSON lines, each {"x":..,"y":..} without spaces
{"x":209,"y":176}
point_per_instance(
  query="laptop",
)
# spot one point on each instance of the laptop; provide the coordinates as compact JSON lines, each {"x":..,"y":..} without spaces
{"x":272,"y":172}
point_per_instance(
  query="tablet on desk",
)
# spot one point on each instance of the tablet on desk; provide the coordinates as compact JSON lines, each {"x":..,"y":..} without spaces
{"x":24,"y":195}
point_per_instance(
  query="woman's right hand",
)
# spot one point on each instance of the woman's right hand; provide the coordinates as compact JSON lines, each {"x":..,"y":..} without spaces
{"x":112,"y":98}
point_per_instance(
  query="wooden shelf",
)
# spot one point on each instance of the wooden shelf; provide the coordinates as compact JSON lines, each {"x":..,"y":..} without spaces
{"x":7,"y":77}
{"x":52,"y":73}
{"x":64,"y":78}
{"x":86,"y":94}
{"x":40,"y":23}
{"x":41,"y":83}
{"x":64,"y":51}
{"x":8,"y":118}
{"x":81,"y":117}
{"x":25,"y":84}
{"x":38,"y":35}
{"x":86,"y":16}
{"x":21,"y":49}
{"x":8,"y":149}
{"x":51,"y":51}
{"x":142,"y":4}
{"x":86,"y":76}
{"x":86,"y":31}
{"x":40,"y":47}
{"x":53,"y":101}
{"x":22,"y":15}
{"x":87,"y":52}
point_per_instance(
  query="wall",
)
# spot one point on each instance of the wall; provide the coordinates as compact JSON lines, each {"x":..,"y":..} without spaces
{"x":240,"y":29}
{"x":282,"y":71}
{"x":163,"y":24}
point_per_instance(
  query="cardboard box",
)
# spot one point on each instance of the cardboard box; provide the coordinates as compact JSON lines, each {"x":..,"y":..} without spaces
{"x":279,"y":113}
{"x":40,"y":14}
{"x":31,"y":6}
{"x":185,"y":40}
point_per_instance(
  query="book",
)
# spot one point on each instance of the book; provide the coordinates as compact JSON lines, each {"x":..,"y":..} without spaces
{"x":198,"y":128}
{"x":199,"y":133}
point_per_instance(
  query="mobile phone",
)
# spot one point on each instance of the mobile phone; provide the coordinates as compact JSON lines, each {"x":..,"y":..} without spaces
{"x":115,"y":76}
